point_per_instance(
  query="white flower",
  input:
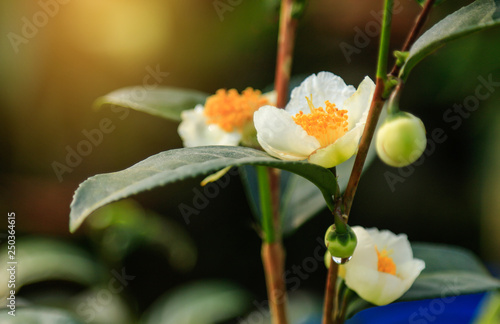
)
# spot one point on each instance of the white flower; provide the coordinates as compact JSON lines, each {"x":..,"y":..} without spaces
{"x":382,"y":267}
{"x":224,"y":118}
{"x":304,"y":130}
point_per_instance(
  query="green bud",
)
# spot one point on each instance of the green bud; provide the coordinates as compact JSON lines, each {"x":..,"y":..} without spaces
{"x":401,"y":57}
{"x":340,"y":246}
{"x":401,"y":140}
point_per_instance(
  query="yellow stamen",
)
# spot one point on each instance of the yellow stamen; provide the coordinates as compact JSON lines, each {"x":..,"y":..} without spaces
{"x":230,"y":110}
{"x":327,"y":125}
{"x":385,"y":263}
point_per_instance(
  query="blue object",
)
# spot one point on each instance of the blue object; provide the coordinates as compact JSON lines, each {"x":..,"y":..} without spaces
{"x":449,"y":310}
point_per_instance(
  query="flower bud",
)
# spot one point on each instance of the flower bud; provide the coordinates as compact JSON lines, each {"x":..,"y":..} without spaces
{"x":327,"y":259}
{"x":401,"y":140}
{"x":340,"y":245}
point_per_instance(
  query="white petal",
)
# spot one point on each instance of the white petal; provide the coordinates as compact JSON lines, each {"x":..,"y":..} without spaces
{"x":410,"y":270}
{"x":280,"y":136}
{"x":323,"y":86}
{"x":363,"y":281}
{"x":340,"y":151}
{"x":398,"y":246}
{"x":359,"y":103}
{"x":365,"y":254}
{"x":361,"y":273}
{"x":194,"y":130}
{"x":387,"y":289}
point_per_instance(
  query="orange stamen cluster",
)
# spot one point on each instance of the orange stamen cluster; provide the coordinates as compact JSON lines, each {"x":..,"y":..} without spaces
{"x":385,"y":263}
{"x":232,"y":111}
{"x":327,"y":125}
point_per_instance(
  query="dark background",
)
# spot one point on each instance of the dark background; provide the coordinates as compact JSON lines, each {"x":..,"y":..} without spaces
{"x":93,"y":47}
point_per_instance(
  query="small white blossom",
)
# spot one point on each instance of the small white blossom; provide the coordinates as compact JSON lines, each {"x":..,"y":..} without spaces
{"x":382,"y":267}
{"x":225,"y":118}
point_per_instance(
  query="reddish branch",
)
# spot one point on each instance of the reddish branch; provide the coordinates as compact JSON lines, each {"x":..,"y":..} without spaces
{"x":330,"y":302}
{"x":412,"y":36}
{"x":273,"y":256}
{"x":366,"y":138}
{"x":286,"y":40}
{"x":375,"y":109}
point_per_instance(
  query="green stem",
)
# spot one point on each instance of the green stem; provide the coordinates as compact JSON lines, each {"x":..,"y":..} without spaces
{"x":393,"y":102}
{"x":266,"y":205}
{"x":385,"y":36}
{"x":340,"y":226}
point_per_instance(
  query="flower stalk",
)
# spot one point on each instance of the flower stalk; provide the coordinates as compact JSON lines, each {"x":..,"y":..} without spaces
{"x":273,"y":259}
{"x":286,"y":42}
{"x":330,"y":310}
{"x":385,"y":37}
{"x":371,"y":123}
{"x":380,"y":96}
{"x":273,"y":255}
{"x":266,"y":206}
{"x":330,"y":300}
{"x":272,"y":252}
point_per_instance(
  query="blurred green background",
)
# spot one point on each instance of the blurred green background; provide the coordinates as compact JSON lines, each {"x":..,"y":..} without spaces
{"x":85,"y":49}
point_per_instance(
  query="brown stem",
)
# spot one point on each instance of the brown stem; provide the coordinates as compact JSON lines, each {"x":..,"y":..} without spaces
{"x":412,"y":36}
{"x":330,"y":315}
{"x":366,"y":138}
{"x":330,"y":302}
{"x":273,"y":253}
{"x":273,"y":258}
{"x":286,"y":40}
{"x":375,"y":109}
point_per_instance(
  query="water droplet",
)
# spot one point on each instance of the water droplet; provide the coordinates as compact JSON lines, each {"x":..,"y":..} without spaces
{"x":341,"y":260}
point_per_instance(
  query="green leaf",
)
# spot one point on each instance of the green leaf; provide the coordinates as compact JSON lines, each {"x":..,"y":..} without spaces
{"x":166,"y":102}
{"x":199,"y":303}
{"x":479,"y":15}
{"x":422,"y":2}
{"x":175,"y":165}
{"x":449,"y":271}
{"x":47,"y":259}
{"x":38,"y":315}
